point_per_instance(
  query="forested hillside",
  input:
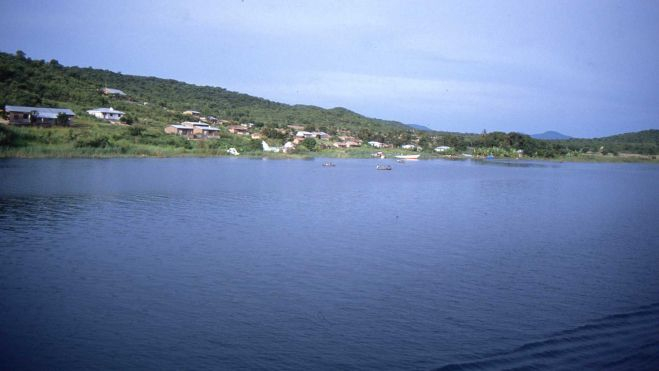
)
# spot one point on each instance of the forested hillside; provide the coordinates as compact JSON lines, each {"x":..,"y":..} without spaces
{"x":156,"y":101}
{"x":153,"y":103}
{"x":643,"y":142}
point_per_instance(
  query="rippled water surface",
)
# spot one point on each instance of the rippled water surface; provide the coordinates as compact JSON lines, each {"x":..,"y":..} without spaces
{"x":234,"y":263}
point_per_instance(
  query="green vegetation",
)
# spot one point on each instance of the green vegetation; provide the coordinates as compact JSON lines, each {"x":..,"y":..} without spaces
{"x":153,"y":103}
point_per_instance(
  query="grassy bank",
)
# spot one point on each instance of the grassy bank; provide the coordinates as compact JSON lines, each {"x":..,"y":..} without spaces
{"x":89,"y":138}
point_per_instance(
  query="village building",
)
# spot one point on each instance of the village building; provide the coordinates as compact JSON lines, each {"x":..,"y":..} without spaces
{"x":23,"y":115}
{"x":347,"y":144}
{"x":106,"y":113}
{"x":194,"y":123}
{"x":198,"y":130}
{"x":111,"y":91}
{"x":442,"y":148}
{"x":376,"y":144}
{"x":312,"y":134}
{"x":238,"y":129}
{"x":192,"y":113}
{"x":206,"y":132}
{"x":408,"y":146}
{"x":183,"y":130}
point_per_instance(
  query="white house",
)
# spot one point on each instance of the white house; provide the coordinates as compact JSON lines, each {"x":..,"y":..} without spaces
{"x":375,"y":144}
{"x":442,"y":148}
{"x":312,"y":134}
{"x":408,"y":146}
{"x":110,"y":91}
{"x":106,"y":113}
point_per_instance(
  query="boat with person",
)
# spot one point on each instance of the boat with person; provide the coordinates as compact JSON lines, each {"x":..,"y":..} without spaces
{"x":383,"y":167}
{"x":329,"y":164}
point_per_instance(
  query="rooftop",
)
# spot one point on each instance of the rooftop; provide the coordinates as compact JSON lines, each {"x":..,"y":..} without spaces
{"x":105,"y":110}
{"x":113,"y":91}
{"x":41,"y":111}
{"x":184,"y":127}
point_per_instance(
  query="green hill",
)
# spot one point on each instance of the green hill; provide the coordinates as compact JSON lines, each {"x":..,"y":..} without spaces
{"x":153,"y":103}
{"x":158,"y":102}
{"x":644,"y":142}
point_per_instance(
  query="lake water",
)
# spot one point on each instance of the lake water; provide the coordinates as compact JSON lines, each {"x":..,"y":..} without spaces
{"x":285,"y":264}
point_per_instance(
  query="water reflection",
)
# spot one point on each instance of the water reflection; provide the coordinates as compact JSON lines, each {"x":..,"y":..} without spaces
{"x":517,"y":163}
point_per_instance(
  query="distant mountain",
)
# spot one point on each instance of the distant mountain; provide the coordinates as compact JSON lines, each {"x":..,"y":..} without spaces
{"x":551,"y":135}
{"x":419,"y":127}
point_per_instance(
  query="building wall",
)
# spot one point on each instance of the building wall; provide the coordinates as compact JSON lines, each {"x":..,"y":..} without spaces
{"x":171,"y":130}
{"x":104,"y":115}
{"x":97,"y":114}
{"x":19,"y":118}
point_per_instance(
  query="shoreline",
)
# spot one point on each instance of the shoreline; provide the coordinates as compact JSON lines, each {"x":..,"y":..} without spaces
{"x":13,"y":154}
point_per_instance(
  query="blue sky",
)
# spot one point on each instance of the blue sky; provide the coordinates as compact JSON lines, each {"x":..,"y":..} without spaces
{"x":584,"y":68}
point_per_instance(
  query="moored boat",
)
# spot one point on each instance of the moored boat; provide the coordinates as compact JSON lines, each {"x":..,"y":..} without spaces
{"x":407,"y":157}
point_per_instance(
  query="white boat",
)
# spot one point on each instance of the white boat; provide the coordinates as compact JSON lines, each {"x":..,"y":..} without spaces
{"x":408,"y":157}
{"x":383,"y":167}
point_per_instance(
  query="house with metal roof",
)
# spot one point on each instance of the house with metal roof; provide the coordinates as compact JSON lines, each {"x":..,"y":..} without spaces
{"x":442,"y":148}
{"x":238,"y":129}
{"x":110,"y":91}
{"x":204,"y":132}
{"x":106,"y":113}
{"x":183,"y":130}
{"x":24,"y":115}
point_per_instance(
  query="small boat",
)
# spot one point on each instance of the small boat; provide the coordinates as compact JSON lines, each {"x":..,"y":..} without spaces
{"x":408,"y":157}
{"x":329,"y":164}
{"x":383,"y":167}
{"x":400,"y":161}
{"x":490,"y":157}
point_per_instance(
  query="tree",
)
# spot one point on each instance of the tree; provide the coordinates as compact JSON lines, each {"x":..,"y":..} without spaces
{"x":128,"y":119}
{"x":62,"y":119}
{"x":310,"y":143}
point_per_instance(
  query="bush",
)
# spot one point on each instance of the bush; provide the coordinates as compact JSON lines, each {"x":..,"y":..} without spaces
{"x":310,"y":143}
{"x":96,"y":141}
